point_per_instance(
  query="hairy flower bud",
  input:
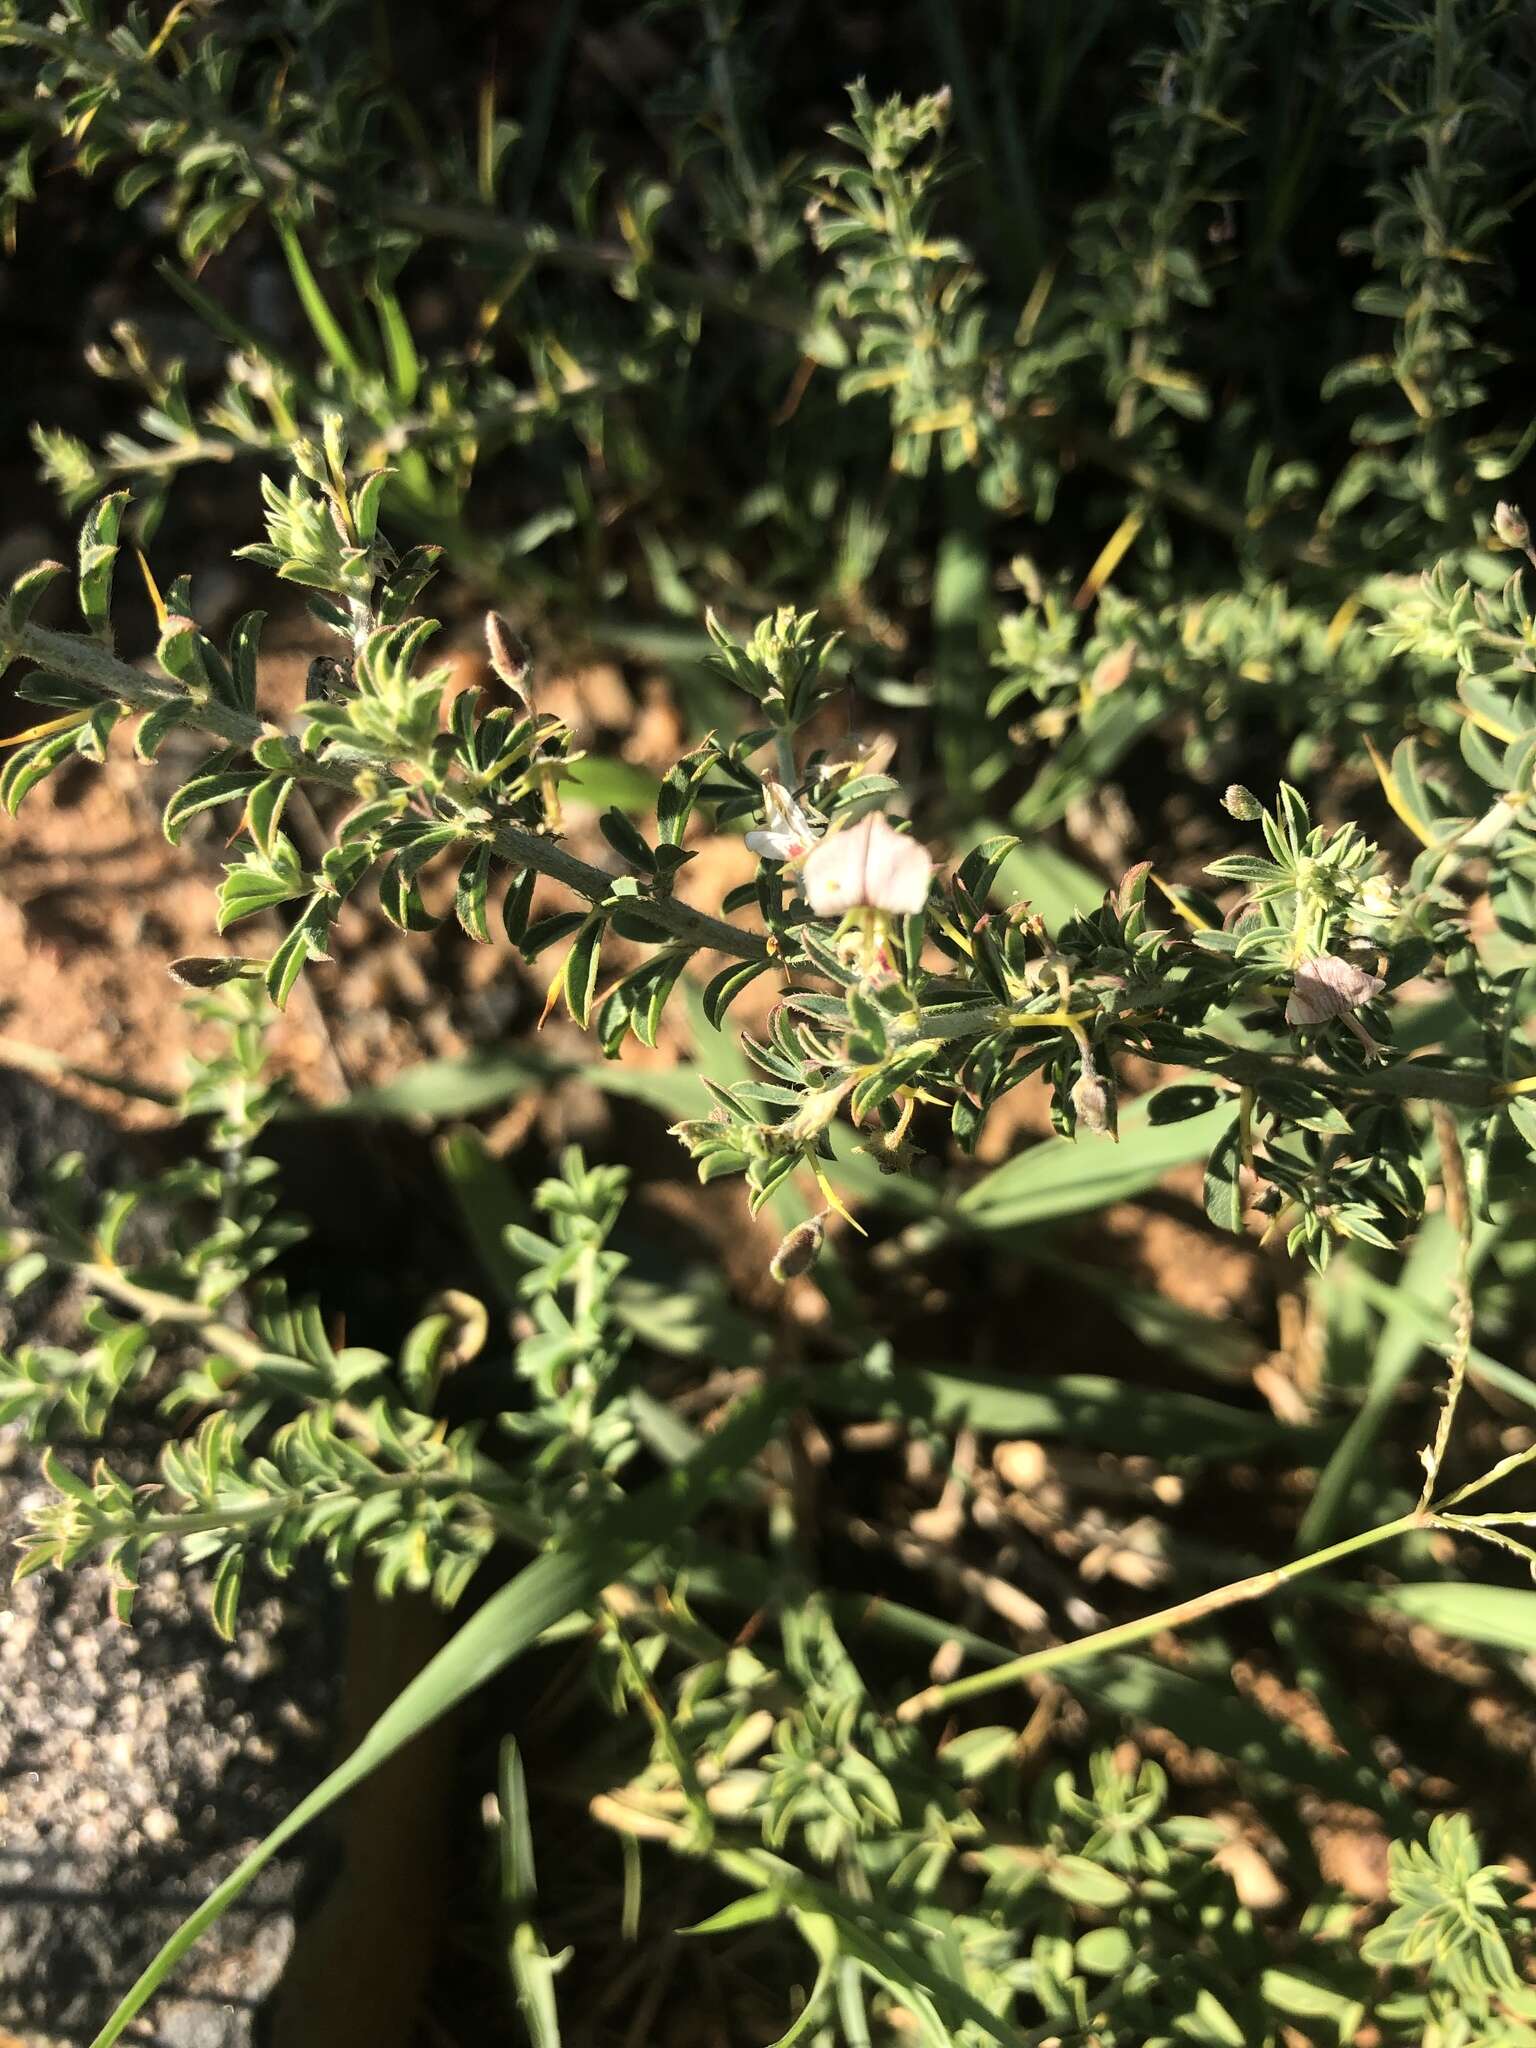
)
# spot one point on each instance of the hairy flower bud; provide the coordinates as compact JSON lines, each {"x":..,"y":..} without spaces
{"x":1093,"y":1103}
{"x":799,"y":1250}
{"x":1241,"y":804}
{"x":1509,"y":524}
{"x":816,"y":1111}
{"x":509,"y":658}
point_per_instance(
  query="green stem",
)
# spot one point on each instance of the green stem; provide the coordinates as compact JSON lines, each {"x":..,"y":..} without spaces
{"x":933,"y":1697}
{"x":196,"y":1520}
{"x":153,"y":1306}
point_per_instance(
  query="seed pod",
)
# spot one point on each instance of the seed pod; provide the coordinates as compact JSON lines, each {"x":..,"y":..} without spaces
{"x":799,"y":1250}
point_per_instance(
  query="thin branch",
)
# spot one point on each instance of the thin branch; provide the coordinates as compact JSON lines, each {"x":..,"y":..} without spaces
{"x":87,"y":662}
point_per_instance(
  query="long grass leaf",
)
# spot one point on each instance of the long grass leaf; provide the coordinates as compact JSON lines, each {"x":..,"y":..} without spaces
{"x":1426,"y":1275}
{"x":1083,"y":1408}
{"x":329,"y":332}
{"x":1062,"y":1177}
{"x":1501,"y":1617}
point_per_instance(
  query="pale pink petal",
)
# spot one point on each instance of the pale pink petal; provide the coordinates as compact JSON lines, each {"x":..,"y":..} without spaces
{"x":833,"y":876}
{"x":869,"y":866}
{"x":1329,"y":987}
{"x":897,"y":871}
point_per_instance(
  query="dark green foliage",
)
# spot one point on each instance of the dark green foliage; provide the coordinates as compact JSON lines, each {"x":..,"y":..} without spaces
{"x":1112,"y":403}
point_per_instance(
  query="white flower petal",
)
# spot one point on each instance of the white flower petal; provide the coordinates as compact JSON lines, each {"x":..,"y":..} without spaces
{"x":833,"y":875}
{"x":788,"y":832}
{"x":869,"y":866}
{"x":897,"y":872}
{"x":772,"y":845}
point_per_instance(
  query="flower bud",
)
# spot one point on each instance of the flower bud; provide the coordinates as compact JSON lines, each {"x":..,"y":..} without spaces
{"x":816,"y":1111}
{"x":333,"y":433}
{"x":1241,"y":804}
{"x":509,"y":657}
{"x":1509,"y":524}
{"x":309,"y":461}
{"x":1093,"y":1103}
{"x":799,"y":1250}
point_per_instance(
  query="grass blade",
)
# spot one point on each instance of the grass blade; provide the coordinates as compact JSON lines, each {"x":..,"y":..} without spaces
{"x":1061,"y":1177}
{"x":1500,"y":1617}
{"x":1426,"y":1275}
{"x":1084,"y":1408}
{"x":532,"y":1967}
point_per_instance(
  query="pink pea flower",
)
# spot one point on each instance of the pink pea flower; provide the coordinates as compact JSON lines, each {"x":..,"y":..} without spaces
{"x":788,"y":834}
{"x":869,"y":866}
{"x":1326,"y":987}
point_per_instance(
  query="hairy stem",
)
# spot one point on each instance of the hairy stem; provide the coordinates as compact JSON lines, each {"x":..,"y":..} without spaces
{"x":1411,"y":1081}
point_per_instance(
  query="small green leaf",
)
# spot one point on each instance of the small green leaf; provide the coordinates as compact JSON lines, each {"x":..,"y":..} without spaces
{"x":218,"y":782}
{"x":515,"y":906}
{"x":1086,"y":1883}
{"x":469,"y":896}
{"x":1104,"y":1952}
{"x":26,"y":591}
{"x":723,"y":989}
{"x":547,"y":931}
{"x":1223,"y":1177}
{"x":626,"y":841}
{"x":1522,"y":1114}
{"x":263,"y":812}
{"x":226,"y":1593}
{"x":97,"y":560}
{"x":578,"y":978}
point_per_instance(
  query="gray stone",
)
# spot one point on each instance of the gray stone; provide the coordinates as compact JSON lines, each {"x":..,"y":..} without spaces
{"x":139,"y":1764}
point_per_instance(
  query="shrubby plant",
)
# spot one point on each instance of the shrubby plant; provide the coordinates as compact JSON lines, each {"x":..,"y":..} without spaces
{"x":906,"y":1001}
{"x":1337,"y":1006}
